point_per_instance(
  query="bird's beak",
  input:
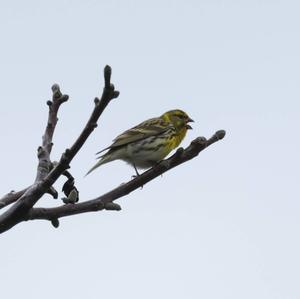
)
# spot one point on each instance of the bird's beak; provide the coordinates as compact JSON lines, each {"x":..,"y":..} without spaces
{"x":189,"y":120}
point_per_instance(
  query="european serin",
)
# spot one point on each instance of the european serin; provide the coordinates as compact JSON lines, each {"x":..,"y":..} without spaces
{"x":149,"y":142}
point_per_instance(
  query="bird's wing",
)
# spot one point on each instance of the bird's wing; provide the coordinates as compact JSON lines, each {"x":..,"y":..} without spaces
{"x":148,"y":128}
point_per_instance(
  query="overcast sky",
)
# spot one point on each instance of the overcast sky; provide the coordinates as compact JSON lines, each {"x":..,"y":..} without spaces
{"x":224,"y":225}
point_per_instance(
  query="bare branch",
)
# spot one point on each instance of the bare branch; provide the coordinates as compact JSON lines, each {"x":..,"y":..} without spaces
{"x":18,"y":212}
{"x":44,"y":151}
{"x":11,"y":197}
{"x":101,"y":202}
{"x":108,"y":94}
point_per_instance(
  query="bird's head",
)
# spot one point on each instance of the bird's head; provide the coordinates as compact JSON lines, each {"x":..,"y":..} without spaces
{"x":178,"y":118}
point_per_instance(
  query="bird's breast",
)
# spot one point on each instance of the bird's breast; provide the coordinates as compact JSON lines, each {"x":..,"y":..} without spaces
{"x":178,"y":137}
{"x":147,"y":152}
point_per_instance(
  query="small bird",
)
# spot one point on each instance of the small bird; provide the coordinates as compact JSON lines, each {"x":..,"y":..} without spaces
{"x":148,"y":143}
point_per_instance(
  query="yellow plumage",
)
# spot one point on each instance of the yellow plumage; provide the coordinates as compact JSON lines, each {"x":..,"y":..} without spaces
{"x":149,"y":142}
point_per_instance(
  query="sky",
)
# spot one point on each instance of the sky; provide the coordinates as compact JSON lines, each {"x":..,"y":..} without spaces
{"x":224,"y":225}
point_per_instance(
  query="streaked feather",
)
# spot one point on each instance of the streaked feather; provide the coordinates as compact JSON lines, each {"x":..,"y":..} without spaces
{"x":148,"y":128}
{"x":149,"y":142}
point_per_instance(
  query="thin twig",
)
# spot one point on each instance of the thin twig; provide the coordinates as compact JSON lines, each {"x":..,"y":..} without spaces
{"x":44,"y":150}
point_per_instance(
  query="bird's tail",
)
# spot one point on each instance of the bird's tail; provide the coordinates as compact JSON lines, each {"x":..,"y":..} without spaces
{"x":102,"y":160}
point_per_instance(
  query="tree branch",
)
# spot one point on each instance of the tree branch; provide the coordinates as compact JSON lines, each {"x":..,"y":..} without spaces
{"x":11,"y":197}
{"x":108,"y":94}
{"x":45,"y":180}
{"x":102,"y":202}
{"x":44,"y":151}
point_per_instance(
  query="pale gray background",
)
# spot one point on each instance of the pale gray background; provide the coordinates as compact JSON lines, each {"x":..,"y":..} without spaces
{"x":225,"y":225}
